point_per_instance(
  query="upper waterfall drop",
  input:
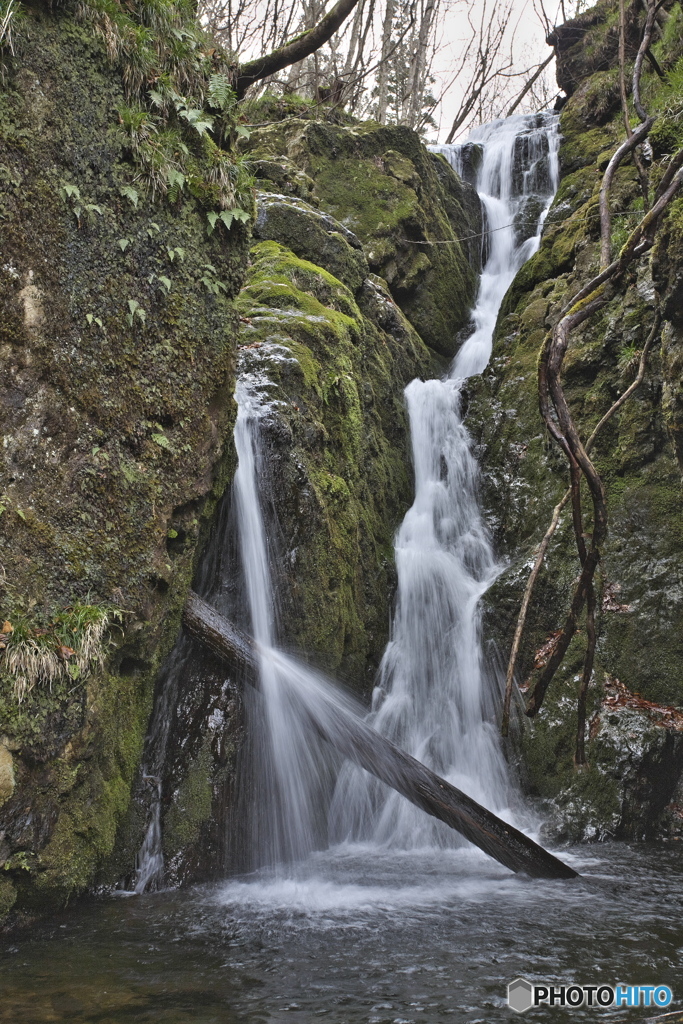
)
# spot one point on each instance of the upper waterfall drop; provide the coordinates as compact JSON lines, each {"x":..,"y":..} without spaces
{"x":514,"y":165}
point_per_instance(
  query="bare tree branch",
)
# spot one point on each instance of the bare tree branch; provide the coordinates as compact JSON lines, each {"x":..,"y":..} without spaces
{"x":530,"y":83}
{"x":291,"y":53}
{"x":622,"y":151}
{"x":642,"y":51}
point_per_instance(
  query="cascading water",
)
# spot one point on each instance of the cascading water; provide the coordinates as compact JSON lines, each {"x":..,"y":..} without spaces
{"x":435,"y":697}
{"x":516,"y":177}
{"x":292,"y":769}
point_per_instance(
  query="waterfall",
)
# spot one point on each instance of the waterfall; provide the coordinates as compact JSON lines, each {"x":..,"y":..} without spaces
{"x":292,"y":770}
{"x":435,"y":696}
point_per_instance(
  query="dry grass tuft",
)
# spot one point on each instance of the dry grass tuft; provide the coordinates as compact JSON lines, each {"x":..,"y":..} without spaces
{"x":70,"y":647}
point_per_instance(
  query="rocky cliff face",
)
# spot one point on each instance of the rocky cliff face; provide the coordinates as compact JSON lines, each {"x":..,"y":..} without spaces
{"x":121,"y":324}
{"x":116,"y":379}
{"x":635,"y":749}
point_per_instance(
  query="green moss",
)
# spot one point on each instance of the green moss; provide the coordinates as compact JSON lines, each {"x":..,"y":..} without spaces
{"x":380,"y":183}
{"x":340,"y":453}
{"x":191,"y":806}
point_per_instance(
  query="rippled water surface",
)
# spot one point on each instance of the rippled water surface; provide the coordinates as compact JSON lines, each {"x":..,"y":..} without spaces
{"x":356,"y":936}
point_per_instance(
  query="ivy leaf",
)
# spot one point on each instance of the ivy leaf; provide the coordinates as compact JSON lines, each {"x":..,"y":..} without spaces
{"x":128,"y":192}
{"x":123,"y":244}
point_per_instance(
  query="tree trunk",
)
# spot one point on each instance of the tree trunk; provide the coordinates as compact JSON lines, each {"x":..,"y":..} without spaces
{"x":418,"y":76}
{"x":298,"y":49}
{"x":383,"y":78}
{"x":368,"y":749}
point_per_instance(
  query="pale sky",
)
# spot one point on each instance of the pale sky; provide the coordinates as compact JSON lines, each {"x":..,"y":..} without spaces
{"x":529,"y":48}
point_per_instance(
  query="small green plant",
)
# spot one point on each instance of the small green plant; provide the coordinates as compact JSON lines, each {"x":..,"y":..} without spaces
{"x":220,"y":92}
{"x":226,"y":217}
{"x":92,"y":319}
{"x":135,"y":310}
{"x":175,"y":183}
{"x":165,"y":282}
{"x":210,"y":280}
{"x":72,"y":195}
{"x":628,"y":360}
{"x":20,"y":861}
{"x":162,"y":441}
{"x":138,"y":125}
{"x":130,"y":193}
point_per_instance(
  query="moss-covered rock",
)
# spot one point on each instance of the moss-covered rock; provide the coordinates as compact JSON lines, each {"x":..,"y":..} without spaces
{"x":117,"y":342}
{"x":313,"y":235}
{"x":640,"y":620}
{"x":338,"y":441}
{"x":400,"y":201}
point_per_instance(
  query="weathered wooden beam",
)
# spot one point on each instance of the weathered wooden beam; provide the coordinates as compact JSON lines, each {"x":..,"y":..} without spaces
{"x":356,"y":740}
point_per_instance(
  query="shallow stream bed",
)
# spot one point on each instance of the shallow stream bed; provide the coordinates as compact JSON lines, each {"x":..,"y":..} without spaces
{"x":357,"y":935}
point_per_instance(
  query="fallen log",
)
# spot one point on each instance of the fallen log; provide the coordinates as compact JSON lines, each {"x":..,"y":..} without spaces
{"x":361,"y":744}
